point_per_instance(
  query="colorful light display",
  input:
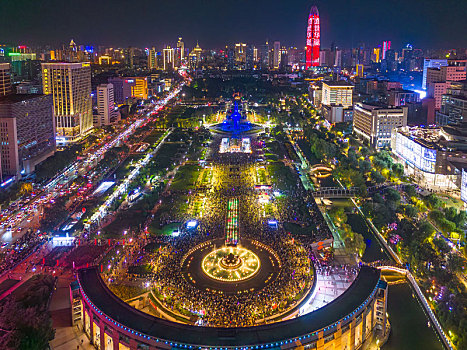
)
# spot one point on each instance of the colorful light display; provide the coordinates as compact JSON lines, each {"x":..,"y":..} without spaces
{"x":313,"y":39}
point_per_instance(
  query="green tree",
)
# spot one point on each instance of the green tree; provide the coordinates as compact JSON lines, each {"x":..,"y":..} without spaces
{"x":376,"y":177}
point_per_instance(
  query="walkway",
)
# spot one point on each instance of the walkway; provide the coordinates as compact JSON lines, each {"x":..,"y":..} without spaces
{"x":329,"y":286}
{"x":67,"y":337}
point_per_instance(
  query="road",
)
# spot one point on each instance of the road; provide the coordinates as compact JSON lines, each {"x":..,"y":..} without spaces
{"x":26,"y":216}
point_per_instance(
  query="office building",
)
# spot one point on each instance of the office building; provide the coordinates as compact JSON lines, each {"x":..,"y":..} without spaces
{"x":129,"y":87}
{"x":168,"y":58}
{"x":374,"y":124}
{"x":431,"y":63}
{"x":276,"y":54}
{"x":70,"y":86}
{"x":152,"y":62}
{"x":453,"y":104}
{"x":5,"y":79}
{"x":140,"y":88}
{"x":180,"y":54}
{"x":337,"y":93}
{"x":106,"y":113}
{"x":27,"y":133}
{"x":401,"y":97}
{"x":438,"y":79}
{"x":359,"y":70}
{"x":376,"y":57}
{"x":265,"y":55}
{"x":386,"y":48}
{"x":195,"y":56}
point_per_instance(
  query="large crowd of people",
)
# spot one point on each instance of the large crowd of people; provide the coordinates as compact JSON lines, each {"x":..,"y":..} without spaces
{"x":234,"y":179}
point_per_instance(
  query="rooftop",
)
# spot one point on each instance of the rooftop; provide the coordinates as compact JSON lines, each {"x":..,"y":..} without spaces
{"x":15,"y":98}
{"x":340,"y":83}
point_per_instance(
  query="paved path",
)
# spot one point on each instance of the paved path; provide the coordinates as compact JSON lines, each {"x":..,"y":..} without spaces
{"x":67,"y":337}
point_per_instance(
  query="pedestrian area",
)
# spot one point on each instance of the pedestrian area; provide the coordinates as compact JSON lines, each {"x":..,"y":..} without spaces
{"x":331,"y":282}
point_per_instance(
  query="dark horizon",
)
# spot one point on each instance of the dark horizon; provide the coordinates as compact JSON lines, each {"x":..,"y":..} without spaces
{"x":144,"y":23}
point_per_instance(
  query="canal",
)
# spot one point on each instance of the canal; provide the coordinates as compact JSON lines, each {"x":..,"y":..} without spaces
{"x":409,"y":325}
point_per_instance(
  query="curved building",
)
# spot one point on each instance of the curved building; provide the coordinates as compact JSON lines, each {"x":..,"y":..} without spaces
{"x":313,"y":39}
{"x":345,"y":323}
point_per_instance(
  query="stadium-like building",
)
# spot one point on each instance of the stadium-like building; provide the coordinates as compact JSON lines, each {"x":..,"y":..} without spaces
{"x":345,"y":323}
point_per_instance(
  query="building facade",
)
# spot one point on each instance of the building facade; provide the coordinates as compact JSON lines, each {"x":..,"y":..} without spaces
{"x":5,"y":79}
{"x":313,"y":39}
{"x":374,"y":124}
{"x":434,"y":157}
{"x":431,"y":63}
{"x":27,"y":132}
{"x":168,"y":58}
{"x":106,"y":113}
{"x":70,"y":86}
{"x":337,"y":93}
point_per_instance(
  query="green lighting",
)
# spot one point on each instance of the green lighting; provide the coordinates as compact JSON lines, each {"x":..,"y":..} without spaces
{"x":14,"y":54}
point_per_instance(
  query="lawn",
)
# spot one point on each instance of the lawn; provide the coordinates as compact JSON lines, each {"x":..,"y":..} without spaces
{"x":153,"y":137}
{"x":186,"y":177}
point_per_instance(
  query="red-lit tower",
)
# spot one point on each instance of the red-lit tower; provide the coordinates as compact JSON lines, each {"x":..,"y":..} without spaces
{"x":312,"y":39}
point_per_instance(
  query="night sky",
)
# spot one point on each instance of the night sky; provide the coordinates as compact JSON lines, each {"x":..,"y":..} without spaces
{"x":425,"y":24}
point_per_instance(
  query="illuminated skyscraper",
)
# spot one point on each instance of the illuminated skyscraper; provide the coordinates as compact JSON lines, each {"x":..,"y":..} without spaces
{"x":312,"y":39}
{"x":386,"y":48}
{"x":180,"y":52}
{"x":169,"y":59}
{"x":70,"y":85}
{"x":5,"y":79}
{"x":277,"y":54}
{"x":152,"y":62}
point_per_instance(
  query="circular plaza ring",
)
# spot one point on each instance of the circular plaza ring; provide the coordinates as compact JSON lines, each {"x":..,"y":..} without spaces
{"x":231,"y":264}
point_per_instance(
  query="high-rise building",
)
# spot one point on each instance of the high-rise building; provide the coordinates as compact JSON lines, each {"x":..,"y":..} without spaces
{"x":277,"y":54}
{"x":195,"y":56}
{"x":431,"y":63}
{"x":376,"y":55}
{"x":106,"y":113}
{"x":265,"y":55}
{"x":240,"y":55}
{"x":152,"y":62}
{"x":359,"y":70}
{"x":313,"y":39}
{"x":386,"y":48}
{"x":169,"y":59}
{"x":140,"y":89}
{"x":374,"y":124}
{"x":453,"y":104}
{"x":27,"y":133}
{"x":337,"y":93}
{"x":180,"y":56}
{"x":70,"y":86}
{"x":438,"y":79}
{"x":5,"y":79}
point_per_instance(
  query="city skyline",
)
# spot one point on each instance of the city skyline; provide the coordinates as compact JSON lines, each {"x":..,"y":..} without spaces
{"x":143,"y":23}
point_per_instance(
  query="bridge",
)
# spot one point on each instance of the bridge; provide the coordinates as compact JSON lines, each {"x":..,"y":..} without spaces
{"x":341,"y":192}
{"x":335,"y":192}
